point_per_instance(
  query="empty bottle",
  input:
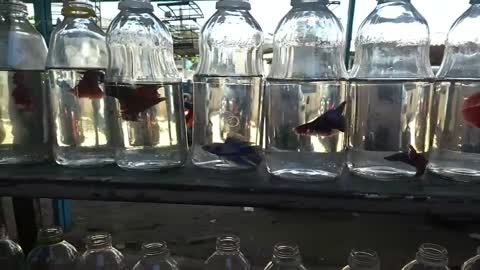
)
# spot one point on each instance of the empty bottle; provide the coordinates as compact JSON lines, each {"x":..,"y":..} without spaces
{"x":472,"y":263}
{"x":431,"y":257}
{"x":228,"y":90}
{"x":24,"y":129}
{"x":286,"y":257}
{"x":455,"y":150}
{"x":156,"y":256}
{"x":228,"y":255}
{"x":100,"y":254}
{"x":82,"y":114}
{"x":363,"y":260}
{"x":52,"y":251}
{"x":11,"y":254}
{"x":391,"y":91}
{"x":306,"y":95}
{"x":143,"y":77}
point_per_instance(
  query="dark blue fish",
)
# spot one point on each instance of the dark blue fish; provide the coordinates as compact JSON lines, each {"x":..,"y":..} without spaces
{"x":236,"y":151}
{"x":329,"y":123}
{"x":412,"y":158}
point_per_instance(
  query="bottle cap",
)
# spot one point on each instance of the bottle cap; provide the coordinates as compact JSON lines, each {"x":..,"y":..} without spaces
{"x":135,"y":4}
{"x":473,"y":2}
{"x":299,"y":2}
{"x":234,"y":4}
{"x":14,"y":5}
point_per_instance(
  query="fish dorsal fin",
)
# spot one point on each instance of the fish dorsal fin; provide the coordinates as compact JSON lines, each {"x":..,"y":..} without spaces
{"x":341,"y":108}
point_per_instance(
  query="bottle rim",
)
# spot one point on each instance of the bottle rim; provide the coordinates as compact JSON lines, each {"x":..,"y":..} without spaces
{"x":233,"y":4}
{"x":135,"y":4}
{"x":391,"y":1}
{"x":155,"y":248}
{"x":98,"y":240}
{"x":78,"y":8}
{"x":14,"y":6}
{"x":363,"y":258}
{"x":50,"y":235}
{"x":286,"y":250}
{"x":295,"y":3}
{"x":228,"y":243}
{"x":432,"y":254}
{"x":474,"y":2}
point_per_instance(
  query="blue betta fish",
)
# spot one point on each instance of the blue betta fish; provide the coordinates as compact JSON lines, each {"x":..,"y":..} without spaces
{"x":329,"y":123}
{"x":236,"y":151}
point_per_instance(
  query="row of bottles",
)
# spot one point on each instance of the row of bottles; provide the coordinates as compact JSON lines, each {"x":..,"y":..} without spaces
{"x":116,"y":97}
{"x":52,"y":252}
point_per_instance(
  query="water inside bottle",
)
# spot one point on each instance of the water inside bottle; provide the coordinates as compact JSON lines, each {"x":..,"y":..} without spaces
{"x":455,"y":152}
{"x":290,"y":154}
{"x":152,"y":124}
{"x":24,"y":128}
{"x":227,"y":125}
{"x":387,"y":117}
{"x":83,"y":117}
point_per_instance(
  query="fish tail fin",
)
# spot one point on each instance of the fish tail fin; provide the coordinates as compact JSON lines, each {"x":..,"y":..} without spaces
{"x":341,"y":107}
{"x":303,"y":129}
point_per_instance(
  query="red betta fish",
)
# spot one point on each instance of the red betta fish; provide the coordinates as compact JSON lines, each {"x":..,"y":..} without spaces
{"x":188,"y":114}
{"x":471,"y":110}
{"x":141,"y":99}
{"x":89,"y":85}
{"x":21,"y":95}
{"x":329,"y":123}
{"x":412,"y":158}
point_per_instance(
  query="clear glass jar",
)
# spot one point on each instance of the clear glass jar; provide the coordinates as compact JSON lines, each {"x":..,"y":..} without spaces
{"x":391,"y":91}
{"x":307,"y":76}
{"x":429,"y":257}
{"x":24,"y":128}
{"x":228,"y":255}
{"x":142,"y":75}
{"x":363,"y":260}
{"x":228,"y":90}
{"x":455,"y":150}
{"x":52,"y":251}
{"x":156,"y":256}
{"x":100,"y":254}
{"x":11,"y":254}
{"x":472,"y":263}
{"x":82,"y":115}
{"x":286,"y":257}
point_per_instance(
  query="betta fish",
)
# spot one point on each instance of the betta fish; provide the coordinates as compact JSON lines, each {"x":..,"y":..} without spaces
{"x":329,"y":123}
{"x":412,"y":158}
{"x":471,"y":110}
{"x":21,"y":95}
{"x":136,"y":100}
{"x":236,"y":151}
{"x":188,"y":114}
{"x":89,"y":85}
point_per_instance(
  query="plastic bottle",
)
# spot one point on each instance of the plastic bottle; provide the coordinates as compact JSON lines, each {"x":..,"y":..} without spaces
{"x":228,"y":255}
{"x":81,"y":112}
{"x":429,"y":257}
{"x":100,"y":254}
{"x":24,"y":128}
{"x":142,"y":75}
{"x":306,"y":95}
{"x":391,"y":91}
{"x":11,"y":254}
{"x":286,"y":257}
{"x":156,"y":256}
{"x":456,"y":145}
{"x":228,"y":90}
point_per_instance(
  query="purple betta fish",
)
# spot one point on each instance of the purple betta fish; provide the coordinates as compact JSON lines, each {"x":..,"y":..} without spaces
{"x":236,"y":151}
{"x":412,"y":158}
{"x":329,"y":123}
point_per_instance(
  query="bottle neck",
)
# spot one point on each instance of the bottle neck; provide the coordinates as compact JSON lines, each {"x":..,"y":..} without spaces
{"x":158,"y":250}
{"x":99,"y":241}
{"x":432,"y":255}
{"x":286,"y":253}
{"x":14,"y":9}
{"x":3,"y":233}
{"x":364,"y":260}
{"x":228,"y":243}
{"x":50,"y":235}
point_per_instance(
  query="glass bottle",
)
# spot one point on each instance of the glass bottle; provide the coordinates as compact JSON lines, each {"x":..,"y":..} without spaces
{"x":363,"y":260}
{"x":100,"y":254}
{"x":307,"y":76}
{"x":81,"y":112}
{"x":142,"y":75}
{"x":52,"y":251}
{"x":228,"y":255}
{"x":11,"y":254}
{"x":24,"y":125}
{"x":286,"y":257}
{"x":431,"y":257}
{"x":228,"y":90}
{"x":472,"y":263}
{"x":156,"y":256}
{"x":455,"y":150}
{"x":391,"y":91}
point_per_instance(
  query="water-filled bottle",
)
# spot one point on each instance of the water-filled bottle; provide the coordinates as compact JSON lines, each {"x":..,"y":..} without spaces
{"x":455,"y":152}
{"x":228,"y":90}
{"x":227,"y":255}
{"x":305,"y":95}
{"x":472,"y":263}
{"x":363,"y":260}
{"x":391,"y":91}
{"x":156,"y":256}
{"x":52,"y":252}
{"x":11,"y":254}
{"x":286,"y":256}
{"x":143,"y":77}
{"x":81,"y":113}
{"x":100,"y":254}
{"x":24,"y":128}
{"x":429,"y":257}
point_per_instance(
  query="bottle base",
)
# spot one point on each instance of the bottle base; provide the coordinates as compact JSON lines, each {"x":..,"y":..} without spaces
{"x":75,"y":157}
{"x":457,"y":174}
{"x":304,"y":175}
{"x":381,"y":173}
{"x":10,"y":155}
{"x":150,"y":159}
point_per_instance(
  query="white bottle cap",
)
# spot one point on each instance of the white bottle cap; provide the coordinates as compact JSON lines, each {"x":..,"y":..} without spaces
{"x":137,"y":4}
{"x":234,"y":4}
